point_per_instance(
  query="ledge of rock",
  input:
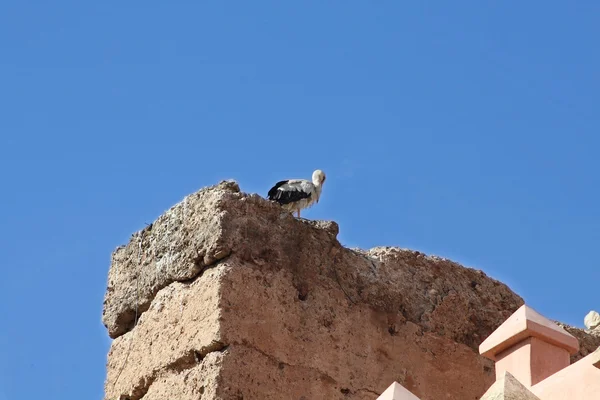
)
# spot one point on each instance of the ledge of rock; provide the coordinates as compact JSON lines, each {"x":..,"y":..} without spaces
{"x":235,"y":298}
{"x":204,"y":228}
{"x":221,"y":221}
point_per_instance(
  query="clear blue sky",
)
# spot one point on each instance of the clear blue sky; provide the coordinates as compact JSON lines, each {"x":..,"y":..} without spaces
{"x":467,"y":130}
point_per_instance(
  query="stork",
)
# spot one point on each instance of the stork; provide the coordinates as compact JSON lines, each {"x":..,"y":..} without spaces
{"x":297,"y":194}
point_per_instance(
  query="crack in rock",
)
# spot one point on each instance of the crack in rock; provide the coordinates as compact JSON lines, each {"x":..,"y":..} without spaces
{"x":281,"y":364}
{"x":187,"y":361}
{"x":145,"y":303}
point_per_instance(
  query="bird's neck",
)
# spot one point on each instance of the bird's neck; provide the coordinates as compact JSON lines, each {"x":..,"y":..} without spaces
{"x":318,"y":187}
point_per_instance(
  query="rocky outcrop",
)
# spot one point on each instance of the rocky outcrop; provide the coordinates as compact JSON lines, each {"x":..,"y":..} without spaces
{"x":227,"y":297}
{"x":589,"y":341}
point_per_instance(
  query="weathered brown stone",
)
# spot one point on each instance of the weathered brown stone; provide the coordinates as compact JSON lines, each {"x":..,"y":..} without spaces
{"x":237,"y":299}
{"x":204,"y":228}
{"x":589,"y":341}
{"x":181,"y":327}
{"x":196,"y":382}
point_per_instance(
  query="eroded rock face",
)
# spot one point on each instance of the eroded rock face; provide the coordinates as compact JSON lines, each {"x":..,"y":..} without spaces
{"x":588,"y":341}
{"x":237,"y":299}
{"x":442,"y":296}
{"x":204,"y":228}
{"x":179,"y":329}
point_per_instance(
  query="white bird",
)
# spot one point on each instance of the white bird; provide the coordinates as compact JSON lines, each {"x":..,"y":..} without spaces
{"x":297,"y":194}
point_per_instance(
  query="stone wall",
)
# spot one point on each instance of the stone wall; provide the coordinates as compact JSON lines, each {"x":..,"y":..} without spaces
{"x":227,"y":297}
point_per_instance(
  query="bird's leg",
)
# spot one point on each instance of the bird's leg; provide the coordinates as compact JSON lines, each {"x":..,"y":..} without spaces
{"x":298,"y":213}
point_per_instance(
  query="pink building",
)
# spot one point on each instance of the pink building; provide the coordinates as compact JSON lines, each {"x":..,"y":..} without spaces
{"x":532,"y":356}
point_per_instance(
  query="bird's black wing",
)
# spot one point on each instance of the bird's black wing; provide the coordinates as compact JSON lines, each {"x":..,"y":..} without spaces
{"x":273,"y":191}
{"x":287,"y":194}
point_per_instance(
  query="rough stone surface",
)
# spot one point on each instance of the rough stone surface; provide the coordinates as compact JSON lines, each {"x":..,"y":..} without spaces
{"x":181,"y":327}
{"x":205,"y":227}
{"x":234,"y":299}
{"x":508,"y":388}
{"x":592,"y":320}
{"x":196,"y":382}
{"x":356,"y":348}
{"x":442,"y":296}
{"x":588,"y":341}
